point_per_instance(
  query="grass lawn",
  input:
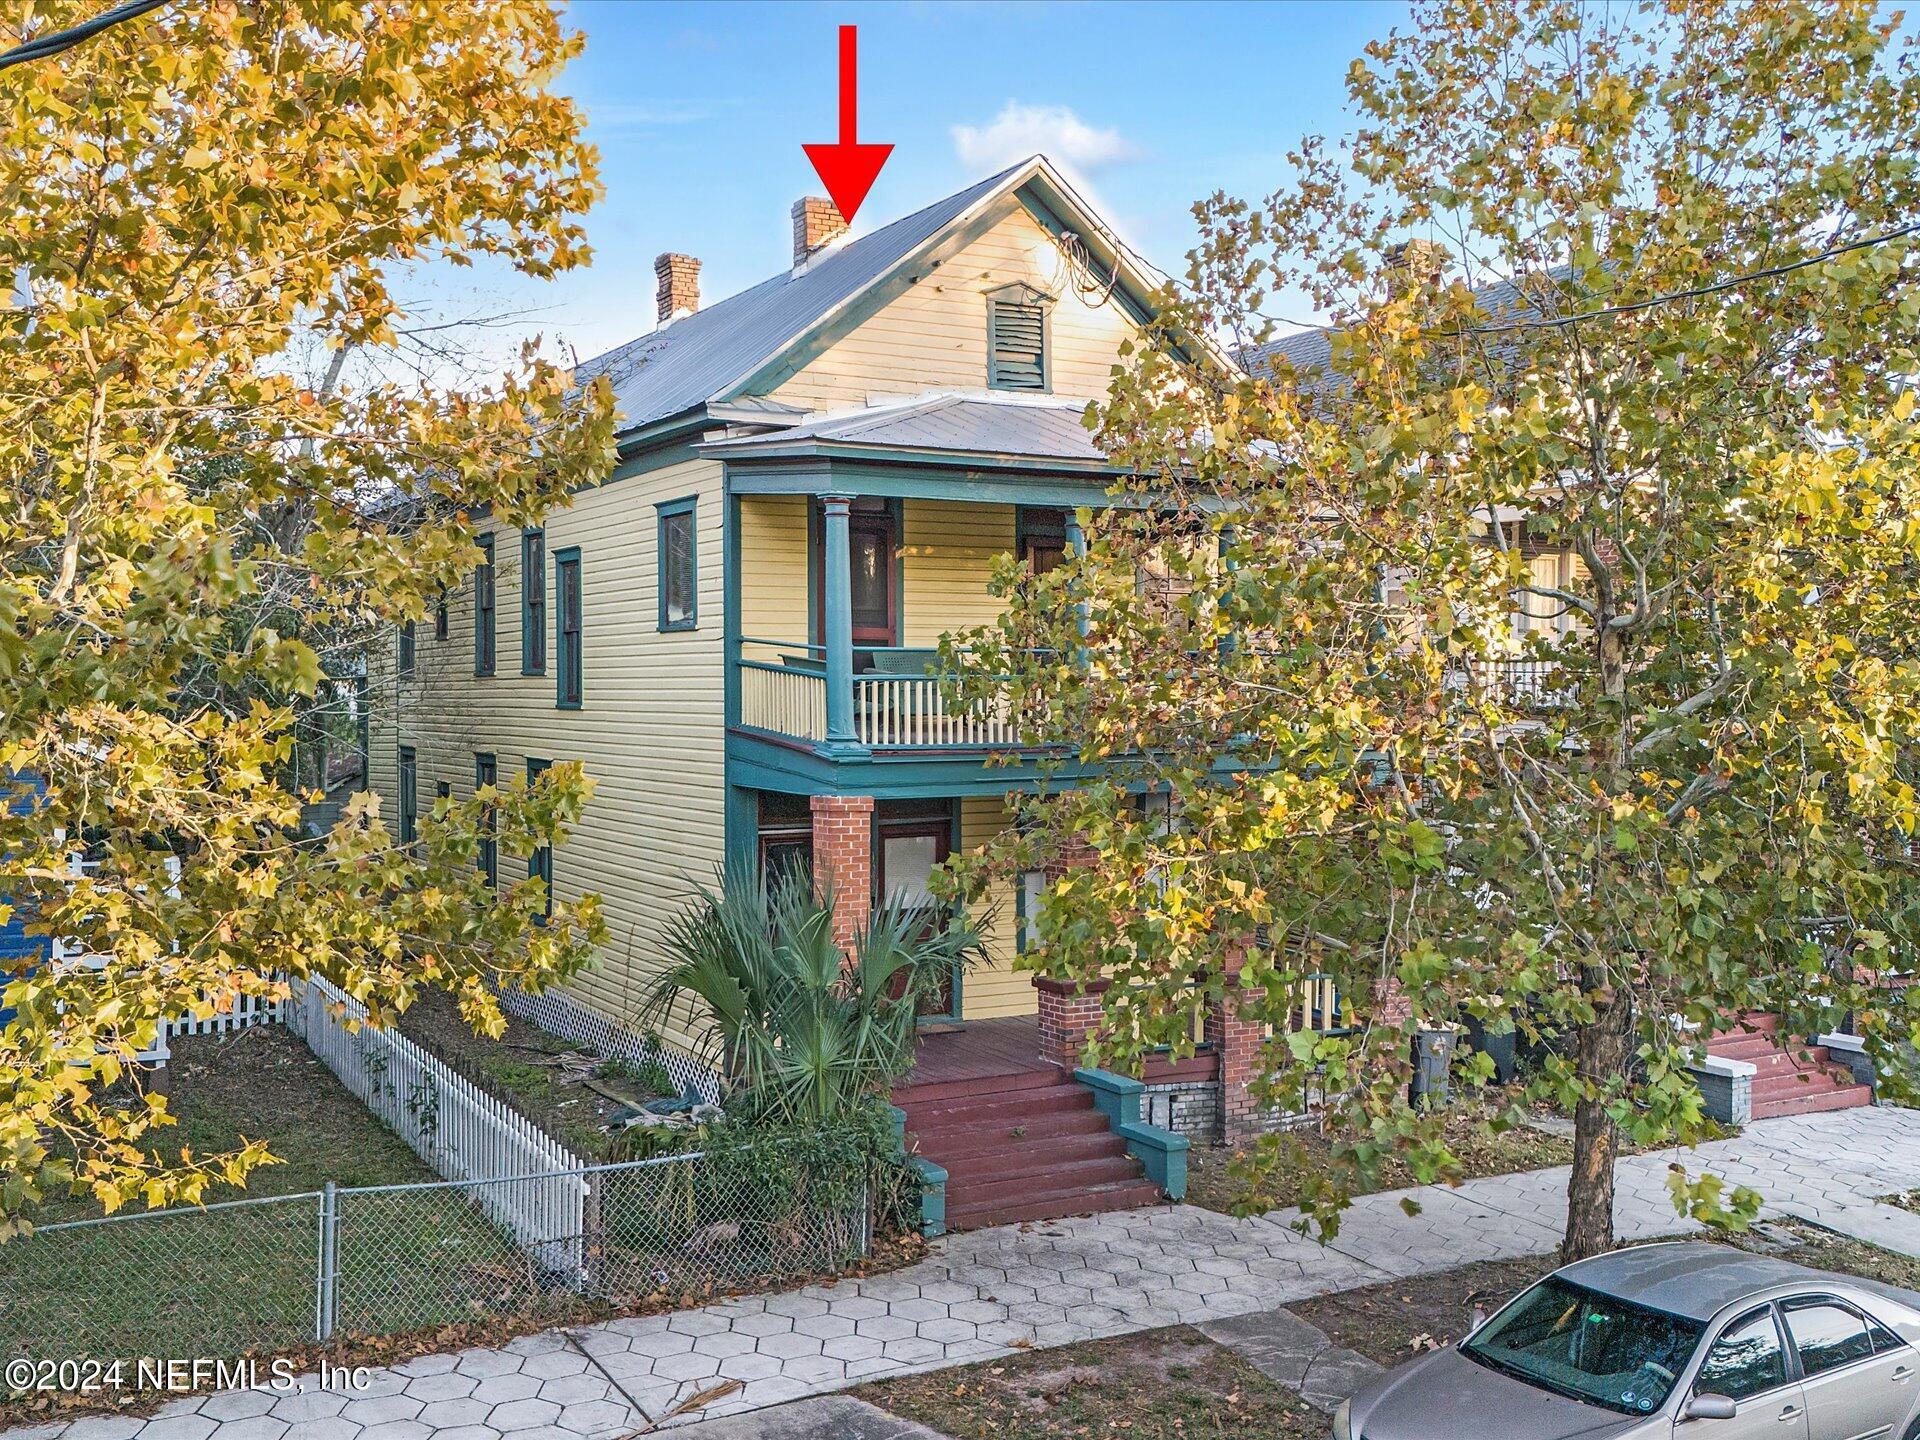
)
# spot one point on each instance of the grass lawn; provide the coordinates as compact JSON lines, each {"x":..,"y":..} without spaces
{"x":236,"y":1277}
{"x":1211,"y":1185}
{"x":561,"y":1087}
{"x":1158,"y":1385}
{"x":1176,"y":1384}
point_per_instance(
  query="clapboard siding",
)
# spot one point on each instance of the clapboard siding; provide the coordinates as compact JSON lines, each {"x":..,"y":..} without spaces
{"x":935,"y":335}
{"x":994,"y":988}
{"x":649,"y":730}
{"x":773,"y":568}
{"x":947,"y":552}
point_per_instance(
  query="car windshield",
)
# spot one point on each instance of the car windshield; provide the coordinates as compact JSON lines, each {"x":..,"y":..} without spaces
{"x":1588,"y":1346}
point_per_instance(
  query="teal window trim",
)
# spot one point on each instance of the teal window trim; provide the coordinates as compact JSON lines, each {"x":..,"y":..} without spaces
{"x":404,"y":658}
{"x":569,"y":634}
{"x":533,"y":601}
{"x":540,"y":861}
{"x":440,"y":614}
{"x":486,"y":771}
{"x":484,"y":627}
{"x":409,"y":783}
{"x":666,"y":513}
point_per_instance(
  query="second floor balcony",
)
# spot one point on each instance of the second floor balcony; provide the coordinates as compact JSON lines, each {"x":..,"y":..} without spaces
{"x":888,"y":698}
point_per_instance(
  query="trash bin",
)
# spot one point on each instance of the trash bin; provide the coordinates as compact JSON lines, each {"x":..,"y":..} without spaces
{"x":1432,"y":1058}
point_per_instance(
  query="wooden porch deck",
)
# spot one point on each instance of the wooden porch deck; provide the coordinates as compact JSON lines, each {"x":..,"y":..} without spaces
{"x":981,"y":1050}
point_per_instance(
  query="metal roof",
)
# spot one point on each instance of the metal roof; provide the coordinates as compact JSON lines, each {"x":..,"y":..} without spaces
{"x":700,"y":356}
{"x":945,"y":422}
{"x":1310,"y":352}
{"x":1693,"y":1278}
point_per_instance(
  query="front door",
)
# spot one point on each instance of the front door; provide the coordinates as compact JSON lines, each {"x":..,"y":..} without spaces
{"x":910,"y":849}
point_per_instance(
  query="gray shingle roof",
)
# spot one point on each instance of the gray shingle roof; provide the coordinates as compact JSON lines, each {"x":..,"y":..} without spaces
{"x":699,"y":356}
{"x":947,"y":422}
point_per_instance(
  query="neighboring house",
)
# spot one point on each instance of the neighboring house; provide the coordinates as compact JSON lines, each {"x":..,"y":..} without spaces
{"x":732,"y":633}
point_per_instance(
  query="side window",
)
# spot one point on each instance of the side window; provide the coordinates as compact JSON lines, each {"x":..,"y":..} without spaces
{"x":483,"y":627}
{"x":568,"y":685}
{"x":404,"y":663}
{"x":486,"y":771}
{"x":409,"y":795}
{"x":540,"y":862}
{"x":1033,"y":886}
{"x":440,"y":615}
{"x":443,"y":790}
{"x":678,"y":559}
{"x":1747,"y":1359}
{"x":533,"y":602}
{"x":1827,"y":1335}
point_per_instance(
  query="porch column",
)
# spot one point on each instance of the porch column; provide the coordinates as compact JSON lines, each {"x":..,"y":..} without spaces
{"x":1077,"y":547}
{"x":1228,"y":536}
{"x":838,"y":580}
{"x":843,"y":861}
{"x":1237,"y":1035}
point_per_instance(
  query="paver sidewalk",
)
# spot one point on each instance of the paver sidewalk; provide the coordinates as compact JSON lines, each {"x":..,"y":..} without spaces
{"x":984,"y":1293}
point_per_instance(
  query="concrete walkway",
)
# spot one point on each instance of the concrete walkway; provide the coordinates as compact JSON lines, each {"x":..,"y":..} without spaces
{"x":988,"y":1292}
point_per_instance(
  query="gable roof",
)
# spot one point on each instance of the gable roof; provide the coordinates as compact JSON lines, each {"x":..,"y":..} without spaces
{"x":710,"y":355}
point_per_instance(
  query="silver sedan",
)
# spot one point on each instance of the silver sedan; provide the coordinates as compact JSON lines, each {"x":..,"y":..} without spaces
{"x":1686,"y":1341}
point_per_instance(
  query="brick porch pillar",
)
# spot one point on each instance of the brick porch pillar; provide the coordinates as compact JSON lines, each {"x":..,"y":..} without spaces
{"x":843,"y":860}
{"x":1237,"y":1033}
{"x":1069,"y":1014}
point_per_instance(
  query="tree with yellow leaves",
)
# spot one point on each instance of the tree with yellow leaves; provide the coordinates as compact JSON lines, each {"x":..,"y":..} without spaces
{"x":188,"y":197}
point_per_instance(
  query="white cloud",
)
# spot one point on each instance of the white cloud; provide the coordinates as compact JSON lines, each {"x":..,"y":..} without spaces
{"x":1051,"y":130}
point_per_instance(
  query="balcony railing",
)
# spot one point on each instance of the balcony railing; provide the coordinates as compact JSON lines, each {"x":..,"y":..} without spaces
{"x":1524,"y":681}
{"x":897,"y":699}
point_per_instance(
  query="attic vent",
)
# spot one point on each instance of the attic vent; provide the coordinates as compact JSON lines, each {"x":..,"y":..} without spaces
{"x":1016,"y":344}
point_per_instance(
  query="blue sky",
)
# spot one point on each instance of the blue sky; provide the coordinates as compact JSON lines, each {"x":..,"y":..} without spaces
{"x":699,"y":111}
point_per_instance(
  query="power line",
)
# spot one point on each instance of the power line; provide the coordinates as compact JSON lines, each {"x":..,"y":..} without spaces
{"x":59,"y":40}
{"x":1733,"y":282}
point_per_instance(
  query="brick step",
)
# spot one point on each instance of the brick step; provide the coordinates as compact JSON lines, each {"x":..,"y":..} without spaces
{"x":1742,"y":1047}
{"x":1029,"y":1155}
{"x":1846,"y":1097}
{"x":960,"y":1140}
{"x":990,"y":1107}
{"x":909,"y":1096}
{"x":1804,"y":1082}
{"x":1814,"y":1058}
{"x":1090,"y":1174}
{"x":1764,"y":1021}
{"x":1127,"y":1195}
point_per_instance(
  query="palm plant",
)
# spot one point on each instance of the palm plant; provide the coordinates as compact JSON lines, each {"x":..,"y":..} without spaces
{"x":801,"y":1032}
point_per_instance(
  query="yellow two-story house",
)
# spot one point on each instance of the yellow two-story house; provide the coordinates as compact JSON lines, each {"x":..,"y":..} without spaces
{"x":733,"y":632}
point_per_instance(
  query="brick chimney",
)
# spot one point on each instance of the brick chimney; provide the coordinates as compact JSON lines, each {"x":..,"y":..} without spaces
{"x":1414,"y":263}
{"x":816,"y":224}
{"x":679,"y":292}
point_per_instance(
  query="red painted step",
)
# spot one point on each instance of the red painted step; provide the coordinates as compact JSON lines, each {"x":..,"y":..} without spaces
{"x":1031,"y":1146}
{"x":1790,"y":1077}
{"x":1053,"y":1205}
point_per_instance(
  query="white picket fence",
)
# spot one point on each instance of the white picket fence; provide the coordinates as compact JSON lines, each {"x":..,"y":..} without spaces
{"x":247,"y":1011}
{"x":458,"y":1129}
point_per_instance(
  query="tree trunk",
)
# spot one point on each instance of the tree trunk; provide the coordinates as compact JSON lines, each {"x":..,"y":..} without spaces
{"x":1600,"y":1051}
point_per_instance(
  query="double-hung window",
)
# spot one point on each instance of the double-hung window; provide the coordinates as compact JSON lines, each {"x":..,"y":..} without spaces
{"x":679,"y":560}
{"x":533,"y":602}
{"x":540,"y":861}
{"x":486,"y":771}
{"x":404,"y":662}
{"x":568,"y":685}
{"x":483,"y":626}
{"x":409,"y":795}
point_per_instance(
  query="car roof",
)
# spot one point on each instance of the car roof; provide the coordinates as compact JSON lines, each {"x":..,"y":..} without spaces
{"x":1697,"y":1280}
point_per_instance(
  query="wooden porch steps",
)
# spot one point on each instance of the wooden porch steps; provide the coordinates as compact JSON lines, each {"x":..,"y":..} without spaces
{"x":1789,"y":1078}
{"x":1022,"y":1146}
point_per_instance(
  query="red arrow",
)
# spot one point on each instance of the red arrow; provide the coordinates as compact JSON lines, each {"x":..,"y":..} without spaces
{"x":848,"y":168}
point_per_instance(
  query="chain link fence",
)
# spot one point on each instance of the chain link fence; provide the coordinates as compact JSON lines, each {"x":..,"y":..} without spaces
{"x":266,"y":1274}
